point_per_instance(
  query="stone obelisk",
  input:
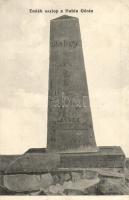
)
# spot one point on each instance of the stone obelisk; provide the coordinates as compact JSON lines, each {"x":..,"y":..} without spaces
{"x":70,"y":127}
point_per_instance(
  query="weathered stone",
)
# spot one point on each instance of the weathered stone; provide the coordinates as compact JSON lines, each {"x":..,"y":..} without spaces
{"x":56,"y":189}
{"x":127,"y":163}
{"x":110,"y":174}
{"x":127,"y":176}
{"x":67,"y":176}
{"x":5,"y":191}
{"x":22,"y":182}
{"x":106,"y":157}
{"x":109,"y":170}
{"x":80,"y":185}
{"x":43,"y":192}
{"x":56,"y":178}
{"x":76,"y":176}
{"x":91,"y":190}
{"x":5,"y":160}
{"x":61,"y":178}
{"x":88,"y":174}
{"x":126,"y":172}
{"x":67,"y":184}
{"x":127,"y":182}
{"x":112,"y":186}
{"x":46,"y":181}
{"x":70,"y":125}
{"x":1,"y":180}
{"x":34,"y":163}
{"x":64,"y":177}
{"x":125,"y":190}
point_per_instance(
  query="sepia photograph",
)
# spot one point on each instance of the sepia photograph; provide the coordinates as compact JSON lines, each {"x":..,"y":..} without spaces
{"x":64,"y":101}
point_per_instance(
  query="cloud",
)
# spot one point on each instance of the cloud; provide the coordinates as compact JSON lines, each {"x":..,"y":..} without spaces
{"x":110,"y":112}
{"x":23,"y":123}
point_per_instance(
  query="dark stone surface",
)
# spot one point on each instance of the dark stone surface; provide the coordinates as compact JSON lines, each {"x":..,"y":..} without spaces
{"x":5,"y":191}
{"x":36,"y":150}
{"x":37,"y":162}
{"x":5,"y":160}
{"x":46,"y":180}
{"x":126,"y":172}
{"x":1,"y":181}
{"x":34,"y":163}
{"x":22,"y":182}
{"x":127,"y":163}
{"x":69,"y":115}
{"x":107,"y":157}
{"x":93,"y":190}
{"x":28,"y":182}
{"x":113,"y":186}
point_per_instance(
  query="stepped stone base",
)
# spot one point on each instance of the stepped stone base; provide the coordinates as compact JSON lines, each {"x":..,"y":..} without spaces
{"x":38,"y":160}
{"x":65,"y":173}
{"x":106,"y":157}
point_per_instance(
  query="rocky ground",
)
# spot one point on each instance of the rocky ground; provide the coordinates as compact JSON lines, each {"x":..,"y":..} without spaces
{"x":83,"y":182}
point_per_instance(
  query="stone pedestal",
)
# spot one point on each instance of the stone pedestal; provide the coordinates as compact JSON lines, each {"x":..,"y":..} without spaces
{"x":106,"y":157}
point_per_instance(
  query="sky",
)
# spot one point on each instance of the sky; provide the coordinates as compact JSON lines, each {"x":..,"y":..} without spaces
{"x":24,"y":65}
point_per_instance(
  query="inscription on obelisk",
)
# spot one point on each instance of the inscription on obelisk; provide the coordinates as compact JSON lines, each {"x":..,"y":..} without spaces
{"x":70,"y":127}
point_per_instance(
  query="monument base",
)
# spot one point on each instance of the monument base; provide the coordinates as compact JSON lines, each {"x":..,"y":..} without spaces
{"x":38,"y":160}
{"x":101,"y":172}
{"x":106,"y":157}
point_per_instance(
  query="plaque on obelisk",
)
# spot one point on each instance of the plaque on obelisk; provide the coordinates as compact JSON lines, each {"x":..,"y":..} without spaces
{"x":70,"y":127}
